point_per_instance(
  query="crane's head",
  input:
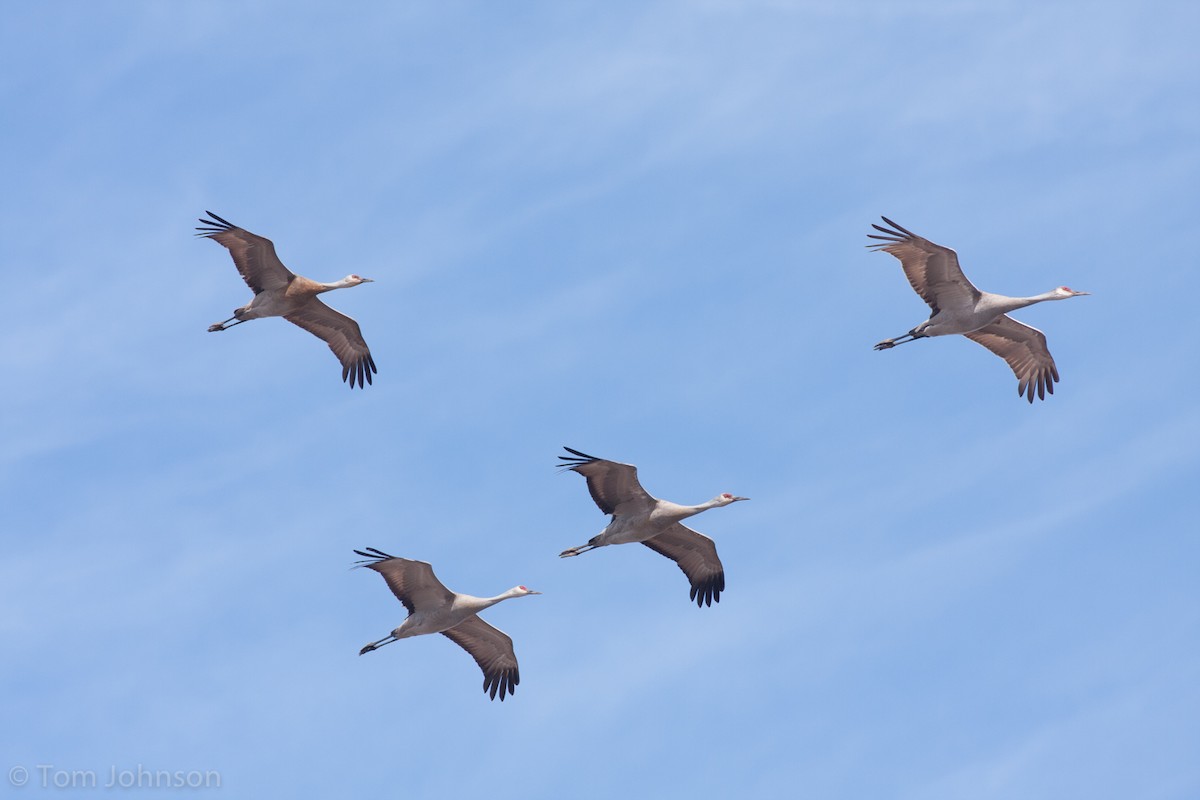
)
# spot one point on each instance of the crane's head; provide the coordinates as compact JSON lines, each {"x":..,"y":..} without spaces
{"x":725,"y":498}
{"x":355,"y":280}
{"x":1063,"y":292}
{"x":521,"y":591}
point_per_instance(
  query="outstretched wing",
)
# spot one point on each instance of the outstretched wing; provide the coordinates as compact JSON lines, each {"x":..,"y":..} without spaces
{"x":253,"y":255}
{"x":1025,"y":350}
{"x":343,"y":336}
{"x":932,"y":270}
{"x":614,"y":486}
{"x":696,"y":555}
{"x":492,"y":650}
{"x":413,"y":582}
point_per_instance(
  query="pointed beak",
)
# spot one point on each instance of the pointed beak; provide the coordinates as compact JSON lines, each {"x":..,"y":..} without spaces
{"x":734,"y":500}
{"x":368,"y":280}
{"x":531,"y":591}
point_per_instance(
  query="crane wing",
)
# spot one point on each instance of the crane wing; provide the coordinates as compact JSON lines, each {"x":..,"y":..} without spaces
{"x":614,"y":486}
{"x":932,"y":269}
{"x":343,"y":336}
{"x":413,"y":582}
{"x":696,"y":555}
{"x":253,"y":255}
{"x":492,"y":650}
{"x":1025,"y":350}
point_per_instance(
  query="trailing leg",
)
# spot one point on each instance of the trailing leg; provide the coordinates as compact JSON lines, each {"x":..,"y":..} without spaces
{"x":911,"y":336}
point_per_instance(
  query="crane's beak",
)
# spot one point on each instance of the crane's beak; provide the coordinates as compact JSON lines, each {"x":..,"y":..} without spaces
{"x":368,"y":280}
{"x":734,"y":500}
{"x":1079,"y":293}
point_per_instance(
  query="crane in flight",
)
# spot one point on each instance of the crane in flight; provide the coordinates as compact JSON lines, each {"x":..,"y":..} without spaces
{"x":639,"y":517}
{"x":278,"y":292}
{"x":432,"y":608}
{"x":958,"y":307}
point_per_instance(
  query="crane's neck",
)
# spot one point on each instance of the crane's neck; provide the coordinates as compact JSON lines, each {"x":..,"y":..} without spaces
{"x":480,"y":603}
{"x":1005,"y":304}
{"x":676,"y":512}
{"x":329,"y":287}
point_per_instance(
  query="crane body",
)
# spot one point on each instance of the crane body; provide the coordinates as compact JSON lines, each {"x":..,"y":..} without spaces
{"x":639,"y":517}
{"x":432,"y":608}
{"x":957,"y":307}
{"x":278,"y":292}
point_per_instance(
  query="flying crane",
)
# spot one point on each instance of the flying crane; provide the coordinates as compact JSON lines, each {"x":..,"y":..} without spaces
{"x":278,"y":292}
{"x":639,"y":517}
{"x":958,"y":307}
{"x":432,"y":608}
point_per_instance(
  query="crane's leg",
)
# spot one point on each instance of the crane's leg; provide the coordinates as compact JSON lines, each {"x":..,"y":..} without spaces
{"x":376,"y":645}
{"x":221,"y":326}
{"x":239,"y":314}
{"x":911,"y":336}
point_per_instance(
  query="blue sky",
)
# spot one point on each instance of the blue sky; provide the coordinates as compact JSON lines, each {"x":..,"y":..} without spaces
{"x":636,"y":229}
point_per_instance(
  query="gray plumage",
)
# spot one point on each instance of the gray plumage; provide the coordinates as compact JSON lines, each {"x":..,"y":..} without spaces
{"x":958,"y":307}
{"x":639,"y":517}
{"x":278,"y":292}
{"x":432,"y":608}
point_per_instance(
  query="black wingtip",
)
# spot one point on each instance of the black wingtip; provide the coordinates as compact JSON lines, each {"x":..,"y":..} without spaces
{"x":577,"y":459}
{"x":380,"y":553}
{"x":503,"y":682}
{"x":900,"y":228}
{"x":707,"y":592}
{"x":211,"y":227}
{"x":360,"y":372}
{"x":373,"y":556}
{"x":897,"y":230}
{"x":224,"y":222}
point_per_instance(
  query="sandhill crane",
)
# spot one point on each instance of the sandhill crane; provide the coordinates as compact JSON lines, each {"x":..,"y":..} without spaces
{"x":638,"y":517}
{"x":432,"y":608}
{"x":958,"y":307}
{"x":278,"y":292}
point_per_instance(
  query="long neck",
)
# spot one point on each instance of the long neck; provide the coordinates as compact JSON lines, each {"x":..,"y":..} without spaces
{"x":678,"y":512}
{"x":1006,"y":304}
{"x":328,"y":287}
{"x":480,"y":603}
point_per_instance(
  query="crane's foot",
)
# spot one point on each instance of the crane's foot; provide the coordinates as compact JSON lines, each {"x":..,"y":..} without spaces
{"x":366,"y":649}
{"x":886,"y":344}
{"x":214,"y":328}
